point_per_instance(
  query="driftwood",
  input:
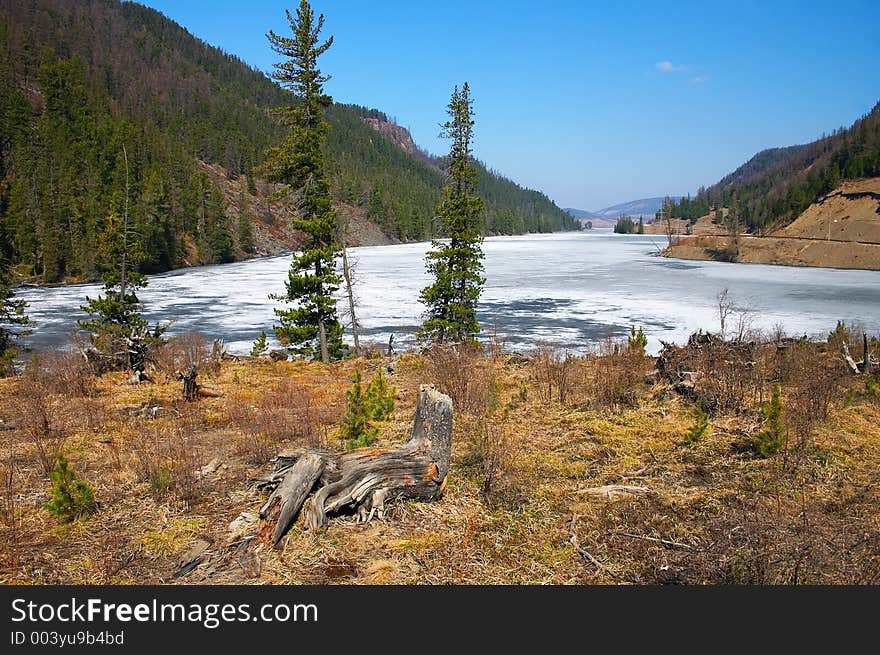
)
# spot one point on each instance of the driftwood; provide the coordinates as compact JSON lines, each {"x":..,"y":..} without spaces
{"x":362,"y":480}
{"x":612,"y":491}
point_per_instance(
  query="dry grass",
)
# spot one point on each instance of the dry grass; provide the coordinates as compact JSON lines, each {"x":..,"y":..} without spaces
{"x":714,"y":512}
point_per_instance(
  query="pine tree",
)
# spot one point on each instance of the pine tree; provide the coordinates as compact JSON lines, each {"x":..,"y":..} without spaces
{"x":71,"y":497}
{"x":13,"y":320}
{"x":772,"y":439}
{"x":244,"y":228}
{"x":260,"y":346}
{"x":311,"y":327}
{"x":380,"y":397}
{"x":115,"y":324}
{"x":456,"y":266}
{"x":357,"y":422}
{"x":637,"y":341}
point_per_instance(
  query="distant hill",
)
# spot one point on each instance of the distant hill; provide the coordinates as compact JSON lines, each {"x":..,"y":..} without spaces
{"x":644,"y":207}
{"x":80,"y":79}
{"x":581,"y":213}
{"x":777,"y":185}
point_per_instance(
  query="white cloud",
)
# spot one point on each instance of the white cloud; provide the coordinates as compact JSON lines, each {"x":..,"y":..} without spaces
{"x":667,"y":66}
{"x":699,"y":79}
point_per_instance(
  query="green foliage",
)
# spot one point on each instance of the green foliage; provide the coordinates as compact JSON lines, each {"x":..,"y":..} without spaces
{"x":357,"y":425}
{"x":772,"y":439}
{"x":626,"y":225}
{"x":71,"y":497}
{"x":380,"y":397}
{"x":456,"y":265}
{"x":365,"y":407}
{"x":260,"y":346}
{"x":13,"y":320}
{"x":114,"y":73}
{"x":637,"y":341}
{"x":839,"y":336}
{"x":161,"y":480}
{"x":243,"y":227}
{"x":699,"y":428}
{"x":116,"y":327}
{"x":777,"y":185}
{"x":311,"y":327}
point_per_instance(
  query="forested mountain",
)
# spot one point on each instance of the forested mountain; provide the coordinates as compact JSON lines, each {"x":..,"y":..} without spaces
{"x":775,"y":186}
{"x":92,"y":88}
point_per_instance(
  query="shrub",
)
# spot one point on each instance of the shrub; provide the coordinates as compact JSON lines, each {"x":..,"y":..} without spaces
{"x":771,"y":440}
{"x":637,"y":341}
{"x":461,"y":372}
{"x":552,"y":372}
{"x":357,"y":426}
{"x":260,"y":347}
{"x":71,"y":497}
{"x":699,"y":429}
{"x":618,"y":375}
{"x":183,"y":351}
{"x":492,"y":445}
{"x":287,"y":412}
{"x":380,"y":397}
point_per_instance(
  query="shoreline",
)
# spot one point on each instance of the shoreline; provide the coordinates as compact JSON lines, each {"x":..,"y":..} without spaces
{"x":780,"y":251}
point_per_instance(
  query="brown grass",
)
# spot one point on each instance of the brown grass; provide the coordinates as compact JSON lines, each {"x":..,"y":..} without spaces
{"x":715,"y":513}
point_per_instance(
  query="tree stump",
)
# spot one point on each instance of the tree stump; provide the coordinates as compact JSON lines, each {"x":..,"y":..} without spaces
{"x":362,"y":480}
{"x":190,"y":386}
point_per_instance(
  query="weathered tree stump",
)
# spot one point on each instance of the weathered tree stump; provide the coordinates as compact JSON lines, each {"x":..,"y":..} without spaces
{"x":190,"y":386}
{"x":362,"y":480}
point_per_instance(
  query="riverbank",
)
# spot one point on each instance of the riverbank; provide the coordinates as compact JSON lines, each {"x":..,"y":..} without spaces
{"x":840,"y":230}
{"x":593,"y":477}
{"x":778,"y":251}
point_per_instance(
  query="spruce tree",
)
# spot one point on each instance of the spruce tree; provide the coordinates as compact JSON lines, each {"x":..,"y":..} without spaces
{"x":456,"y":265}
{"x":13,"y":320}
{"x":116,"y":328}
{"x":310,"y":327}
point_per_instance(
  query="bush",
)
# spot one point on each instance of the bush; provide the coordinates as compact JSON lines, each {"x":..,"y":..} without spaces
{"x":552,"y":369}
{"x":357,"y":425}
{"x":365,"y":406}
{"x":380,"y":397}
{"x":461,"y":372}
{"x":183,"y":351}
{"x":637,"y":340}
{"x":699,"y":429}
{"x":260,"y":347}
{"x":618,"y":375}
{"x":287,"y":412}
{"x":71,"y":497}
{"x":772,"y":439}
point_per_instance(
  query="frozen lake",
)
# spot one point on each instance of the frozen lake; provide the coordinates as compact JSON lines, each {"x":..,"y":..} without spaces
{"x":571,"y":289}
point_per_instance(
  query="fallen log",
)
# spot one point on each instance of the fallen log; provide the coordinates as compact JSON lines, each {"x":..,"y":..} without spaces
{"x":362,"y":481}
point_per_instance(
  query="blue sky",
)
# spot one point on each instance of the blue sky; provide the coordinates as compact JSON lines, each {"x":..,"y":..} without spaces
{"x":592,"y":103}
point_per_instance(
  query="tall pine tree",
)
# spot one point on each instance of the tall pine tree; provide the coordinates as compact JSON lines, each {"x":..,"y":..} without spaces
{"x":456,"y":265}
{"x":311,"y":326}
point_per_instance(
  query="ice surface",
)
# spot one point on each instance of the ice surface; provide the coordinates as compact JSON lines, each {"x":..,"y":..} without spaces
{"x":570,"y":289}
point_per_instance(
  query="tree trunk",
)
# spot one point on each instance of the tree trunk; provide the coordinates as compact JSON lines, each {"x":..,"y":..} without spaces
{"x":322,"y":338}
{"x":346,"y":273}
{"x":362,"y":480}
{"x":190,"y":386}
